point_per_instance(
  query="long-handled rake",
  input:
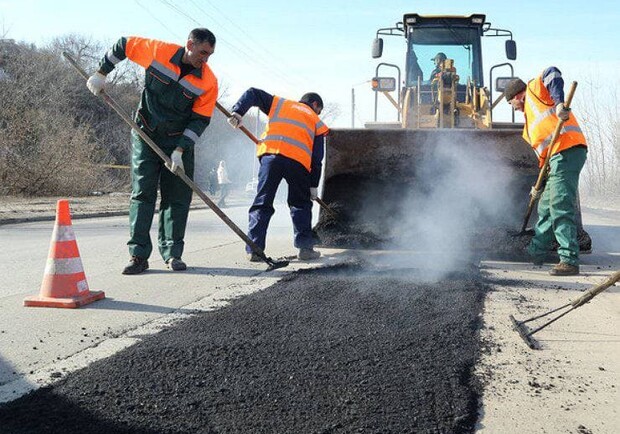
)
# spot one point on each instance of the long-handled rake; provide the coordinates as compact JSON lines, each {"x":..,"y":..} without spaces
{"x":119,"y":110}
{"x":526,"y":333}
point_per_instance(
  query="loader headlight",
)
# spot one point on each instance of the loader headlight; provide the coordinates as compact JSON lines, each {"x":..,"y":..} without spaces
{"x":383,"y":84}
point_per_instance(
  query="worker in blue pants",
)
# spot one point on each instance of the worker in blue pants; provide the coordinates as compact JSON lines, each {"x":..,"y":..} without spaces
{"x":292,"y":149}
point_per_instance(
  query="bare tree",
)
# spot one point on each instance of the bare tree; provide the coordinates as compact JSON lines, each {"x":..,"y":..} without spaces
{"x":598,"y":113}
{"x":330,"y":112}
{"x":4,"y":30}
{"x":52,"y":138}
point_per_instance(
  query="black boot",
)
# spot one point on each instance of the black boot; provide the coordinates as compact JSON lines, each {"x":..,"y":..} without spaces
{"x":136,"y":265}
{"x":176,"y":264}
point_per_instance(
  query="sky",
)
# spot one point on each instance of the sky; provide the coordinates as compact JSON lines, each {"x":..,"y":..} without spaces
{"x":289,"y":48}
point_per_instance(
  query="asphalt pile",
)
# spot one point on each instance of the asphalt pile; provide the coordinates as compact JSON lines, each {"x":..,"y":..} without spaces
{"x":369,"y":214}
{"x":334,"y":350}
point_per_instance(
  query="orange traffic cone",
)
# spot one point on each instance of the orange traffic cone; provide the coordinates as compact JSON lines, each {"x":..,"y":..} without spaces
{"x":64,"y":282}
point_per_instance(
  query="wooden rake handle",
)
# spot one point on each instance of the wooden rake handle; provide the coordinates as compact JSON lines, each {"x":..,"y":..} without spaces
{"x":593,"y":292}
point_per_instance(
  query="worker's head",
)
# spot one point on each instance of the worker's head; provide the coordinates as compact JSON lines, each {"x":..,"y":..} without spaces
{"x":314,"y":101}
{"x":439,"y":58}
{"x":515,"y":94}
{"x":200,"y":45}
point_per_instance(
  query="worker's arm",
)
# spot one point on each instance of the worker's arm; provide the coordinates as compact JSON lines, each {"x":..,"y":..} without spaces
{"x":316,"y":165}
{"x":553,"y":81}
{"x":202,"y":110}
{"x":253,"y":97}
{"x":194,"y":129}
{"x":96,"y":82}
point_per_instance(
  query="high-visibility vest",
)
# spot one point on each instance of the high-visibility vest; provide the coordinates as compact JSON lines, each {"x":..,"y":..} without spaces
{"x":168,"y":101}
{"x":291,"y":130}
{"x":541,"y":121}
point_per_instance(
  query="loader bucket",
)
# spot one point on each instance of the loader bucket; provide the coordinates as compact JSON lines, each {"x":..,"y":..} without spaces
{"x":439,"y":188}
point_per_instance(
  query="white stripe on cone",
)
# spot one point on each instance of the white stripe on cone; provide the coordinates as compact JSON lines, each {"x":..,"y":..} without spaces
{"x":63,"y":266}
{"x":63,"y":233}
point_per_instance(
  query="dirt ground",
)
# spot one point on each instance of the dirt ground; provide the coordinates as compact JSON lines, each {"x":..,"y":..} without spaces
{"x":20,"y":209}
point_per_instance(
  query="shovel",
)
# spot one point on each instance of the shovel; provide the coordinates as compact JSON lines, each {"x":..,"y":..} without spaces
{"x":526,"y":333}
{"x":539,"y":187}
{"x":247,"y":132}
{"x":119,"y":110}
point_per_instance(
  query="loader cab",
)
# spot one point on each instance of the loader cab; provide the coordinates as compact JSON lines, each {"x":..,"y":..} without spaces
{"x":457,"y":38}
{"x":452,"y":94}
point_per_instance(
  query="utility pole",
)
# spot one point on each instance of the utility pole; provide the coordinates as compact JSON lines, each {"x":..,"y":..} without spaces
{"x":352,"y":107}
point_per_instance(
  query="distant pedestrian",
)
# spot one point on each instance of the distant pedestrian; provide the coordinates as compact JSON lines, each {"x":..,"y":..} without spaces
{"x":213,"y":181}
{"x":176,"y":106}
{"x":542,"y":102}
{"x":292,"y":149}
{"x":223,"y":182}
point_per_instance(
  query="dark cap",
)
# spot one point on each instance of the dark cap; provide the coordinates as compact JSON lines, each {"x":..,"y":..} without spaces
{"x":311,"y":97}
{"x":440,"y":56}
{"x":515,"y":87}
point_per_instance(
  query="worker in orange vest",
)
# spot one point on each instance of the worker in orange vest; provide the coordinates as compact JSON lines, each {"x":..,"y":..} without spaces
{"x":292,"y":149}
{"x":542,"y":102}
{"x":176,"y":106}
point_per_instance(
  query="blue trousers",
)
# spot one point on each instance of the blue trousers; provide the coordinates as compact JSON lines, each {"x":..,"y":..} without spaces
{"x":274,"y":168}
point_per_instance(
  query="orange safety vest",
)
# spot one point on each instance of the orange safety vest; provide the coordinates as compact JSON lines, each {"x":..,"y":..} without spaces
{"x":541,"y":121}
{"x":156,"y":57}
{"x":291,"y":131}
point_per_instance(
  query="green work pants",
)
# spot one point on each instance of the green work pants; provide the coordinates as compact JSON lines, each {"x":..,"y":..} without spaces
{"x":147,"y":172}
{"x":557,"y":207}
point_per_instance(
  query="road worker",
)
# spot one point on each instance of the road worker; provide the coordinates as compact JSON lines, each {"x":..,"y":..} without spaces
{"x":542,"y":102}
{"x":292,"y":149}
{"x":175,"y":108}
{"x":438,"y":59}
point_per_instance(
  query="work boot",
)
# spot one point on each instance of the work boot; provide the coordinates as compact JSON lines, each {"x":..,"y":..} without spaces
{"x":308,"y":254}
{"x":564,"y":269}
{"x":176,"y":264}
{"x":136,"y":265}
{"x":254,"y":257}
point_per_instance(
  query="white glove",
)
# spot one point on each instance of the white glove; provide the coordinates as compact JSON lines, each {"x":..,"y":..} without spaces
{"x":314,"y":193}
{"x":177,"y":161}
{"x":96,"y":83}
{"x":535,"y":194}
{"x":235,"y":120}
{"x":562,"y":112}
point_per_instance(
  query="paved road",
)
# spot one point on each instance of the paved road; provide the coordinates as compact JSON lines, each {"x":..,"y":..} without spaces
{"x":581,"y":359}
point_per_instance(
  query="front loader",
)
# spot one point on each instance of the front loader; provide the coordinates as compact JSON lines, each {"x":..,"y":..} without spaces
{"x":443,"y":174}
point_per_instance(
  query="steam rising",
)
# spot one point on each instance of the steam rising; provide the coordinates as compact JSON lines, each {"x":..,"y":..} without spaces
{"x":462,"y":191}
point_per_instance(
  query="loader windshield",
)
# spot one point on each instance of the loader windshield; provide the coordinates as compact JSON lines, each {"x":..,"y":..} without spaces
{"x":461,"y":44}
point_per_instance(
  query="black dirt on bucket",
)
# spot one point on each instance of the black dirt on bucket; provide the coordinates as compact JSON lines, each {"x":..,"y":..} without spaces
{"x":366,"y":212}
{"x":339,"y":350}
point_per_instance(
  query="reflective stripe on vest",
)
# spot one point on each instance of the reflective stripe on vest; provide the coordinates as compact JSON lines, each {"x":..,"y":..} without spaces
{"x":158,"y":55}
{"x":291,"y":131}
{"x":541,"y":121}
